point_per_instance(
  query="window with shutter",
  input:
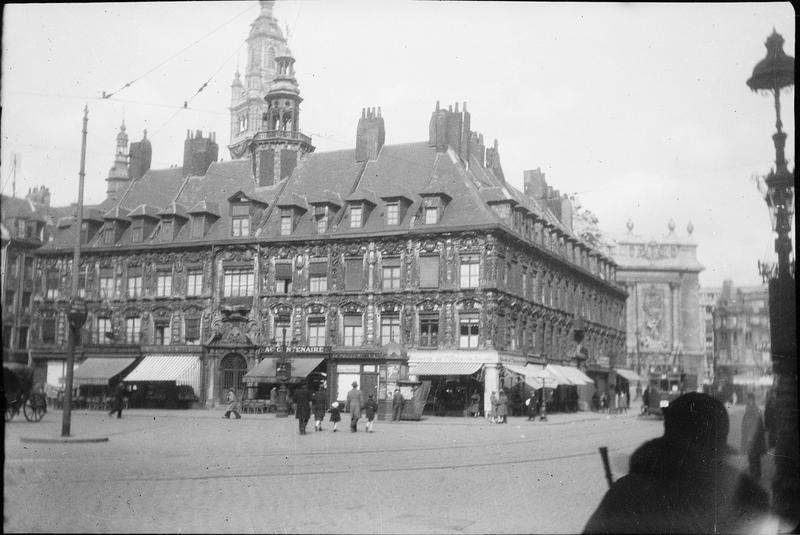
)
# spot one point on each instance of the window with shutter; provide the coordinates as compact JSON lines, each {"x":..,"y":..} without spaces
{"x":429,"y":272}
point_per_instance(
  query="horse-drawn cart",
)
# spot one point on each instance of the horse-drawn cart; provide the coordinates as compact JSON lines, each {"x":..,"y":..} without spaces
{"x":20,"y":393}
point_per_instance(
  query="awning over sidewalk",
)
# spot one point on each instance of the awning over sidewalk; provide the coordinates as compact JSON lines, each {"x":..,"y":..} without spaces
{"x":183,"y":369}
{"x":99,"y":370}
{"x":574,"y":375}
{"x":443,"y":368}
{"x":630,"y":375}
{"x":538,"y":376}
{"x":519,"y":370}
{"x":265,"y":371}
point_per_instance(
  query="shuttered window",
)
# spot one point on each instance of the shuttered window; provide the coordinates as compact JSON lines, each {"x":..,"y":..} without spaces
{"x":353,"y":273}
{"x":429,"y":272}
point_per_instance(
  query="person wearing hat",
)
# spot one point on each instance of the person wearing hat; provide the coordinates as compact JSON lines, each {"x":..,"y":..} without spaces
{"x":354,"y":404}
{"x":302,"y":411}
{"x":681,"y":482}
{"x":233,"y":405}
{"x":336,"y":415}
{"x":320,"y":404}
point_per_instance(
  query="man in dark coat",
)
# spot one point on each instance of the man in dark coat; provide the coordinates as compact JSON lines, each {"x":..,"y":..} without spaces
{"x":119,"y":399}
{"x":302,"y":411}
{"x":320,"y":405}
{"x":754,"y":444}
{"x":397,"y":405}
{"x":681,"y":482}
{"x":354,"y":404}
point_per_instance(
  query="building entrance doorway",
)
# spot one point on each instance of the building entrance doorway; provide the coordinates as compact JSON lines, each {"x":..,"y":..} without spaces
{"x":232,"y":370}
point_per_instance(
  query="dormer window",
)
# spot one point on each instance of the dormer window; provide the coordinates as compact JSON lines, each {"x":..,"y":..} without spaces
{"x":166,"y":230}
{"x":286,"y":224}
{"x":356,"y":215}
{"x":198,"y":226}
{"x":431,"y":215}
{"x":109,"y":233}
{"x":240,"y":220}
{"x":323,"y":214}
{"x":322,"y":224}
{"x":137,"y":230}
{"x":393,"y":213}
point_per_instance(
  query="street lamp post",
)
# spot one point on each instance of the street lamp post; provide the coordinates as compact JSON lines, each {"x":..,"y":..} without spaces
{"x":773,"y":73}
{"x":283,"y":372}
{"x":77,"y":307}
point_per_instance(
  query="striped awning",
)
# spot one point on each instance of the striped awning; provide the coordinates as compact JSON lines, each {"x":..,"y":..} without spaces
{"x":179,"y":368}
{"x":630,"y":375}
{"x":574,"y":375}
{"x":99,"y":370}
{"x":443,"y":368}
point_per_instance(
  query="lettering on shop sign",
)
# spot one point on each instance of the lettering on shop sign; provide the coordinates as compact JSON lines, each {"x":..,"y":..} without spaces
{"x":297,"y":349}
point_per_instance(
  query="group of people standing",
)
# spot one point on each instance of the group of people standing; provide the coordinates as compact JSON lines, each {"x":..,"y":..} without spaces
{"x":612,"y":402}
{"x":306,"y":404}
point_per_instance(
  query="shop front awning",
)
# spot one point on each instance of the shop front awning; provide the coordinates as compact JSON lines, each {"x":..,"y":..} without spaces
{"x":183,"y":369}
{"x":630,"y":375}
{"x":99,"y":370}
{"x":556,"y":371}
{"x":538,"y":376}
{"x":574,"y":375}
{"x":519,"y":370}
{"x":265,"y":371}
{"x":443,"y":368}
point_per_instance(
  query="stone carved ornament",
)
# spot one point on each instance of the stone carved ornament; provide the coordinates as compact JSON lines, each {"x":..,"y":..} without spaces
{"x":653,"y":309}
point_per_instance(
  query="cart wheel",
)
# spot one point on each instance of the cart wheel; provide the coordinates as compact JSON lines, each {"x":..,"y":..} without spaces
{"x":35,"y":407}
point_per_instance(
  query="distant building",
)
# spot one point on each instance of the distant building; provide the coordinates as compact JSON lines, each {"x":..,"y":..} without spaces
{"x":664,"y":324}
{"x":741,"y":329}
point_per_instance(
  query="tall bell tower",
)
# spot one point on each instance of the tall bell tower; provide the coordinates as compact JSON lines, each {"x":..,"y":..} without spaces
{"x":247,"y":96}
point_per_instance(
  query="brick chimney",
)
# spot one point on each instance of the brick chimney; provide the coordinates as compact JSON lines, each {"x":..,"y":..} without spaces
{"x":199,"y":153}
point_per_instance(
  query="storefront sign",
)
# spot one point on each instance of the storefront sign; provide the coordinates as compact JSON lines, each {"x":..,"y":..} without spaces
{"x":296,"y":349}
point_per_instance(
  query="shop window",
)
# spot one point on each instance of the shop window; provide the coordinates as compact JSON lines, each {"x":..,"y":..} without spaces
{"x":103,"y":329}
{"x":194,"y":282}
{"x":237,"y":282}
{"x":316,"y":331}
{"x":469,"y":271}
{"x":191,"y":330}
{"x":429,"y":272}
{"x":353,"y":330}
{"x":133,"y":327}
{"x":390,"y":328}
{"x":468,"y":332}
{"x":164,"y":283}
{"x":283,"y":278}
{"x":429,"y":331}
{"x":49,"y":331}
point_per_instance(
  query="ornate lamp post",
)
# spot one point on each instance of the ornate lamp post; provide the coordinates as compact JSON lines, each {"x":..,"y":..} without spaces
{"x":773,"y":73}
{"x":77,"y":307}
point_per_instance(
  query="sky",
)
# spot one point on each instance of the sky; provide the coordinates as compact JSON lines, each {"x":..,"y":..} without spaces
{"x":640,"y":109}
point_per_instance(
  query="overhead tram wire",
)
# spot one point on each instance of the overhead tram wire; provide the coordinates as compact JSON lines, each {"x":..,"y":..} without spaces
{"x":127,"y":85}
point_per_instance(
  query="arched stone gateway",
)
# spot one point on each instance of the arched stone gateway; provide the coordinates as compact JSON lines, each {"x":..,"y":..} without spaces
{"x":232,"y":368}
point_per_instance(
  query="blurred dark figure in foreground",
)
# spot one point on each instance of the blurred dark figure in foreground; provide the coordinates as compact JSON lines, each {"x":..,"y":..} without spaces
{"x":681,"y":482}
{"x":754,"y":444}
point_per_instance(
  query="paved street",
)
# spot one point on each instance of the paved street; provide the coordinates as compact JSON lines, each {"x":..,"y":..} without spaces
{"x":192,"y":471}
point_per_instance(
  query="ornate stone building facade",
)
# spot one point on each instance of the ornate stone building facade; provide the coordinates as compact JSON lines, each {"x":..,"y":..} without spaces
{"x":664,"y":321}
{"x":367,"y":264}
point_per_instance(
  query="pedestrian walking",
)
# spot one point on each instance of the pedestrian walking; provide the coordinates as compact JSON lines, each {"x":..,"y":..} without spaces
{"x":397,"y":405}
{"x":603,"y":402}
{"x":320,"y":405}
{"x":615,"y":401}
{"x":493,"y":399}
{"x":754,"y":444}
{"x":233,"y":405}
{"x":645,"y":400}
{"x":336,"y":415}
{"x":370,"y":408}
{"x":502,"y":408}
{"x":273,"y":398}
{"x":681,"y":481}
{"x":623,"y":402}
{"x":119,"y":399}
{"x":595,"y":401}
{"x":302,"y":411}
{"x":475,"y":405}
{"x":354,"y":404}
{"x":530,"y":405}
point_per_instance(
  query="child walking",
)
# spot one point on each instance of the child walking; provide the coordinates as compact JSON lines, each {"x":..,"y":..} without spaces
{"x":336,"y":415}
{"x":371,"y":407}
